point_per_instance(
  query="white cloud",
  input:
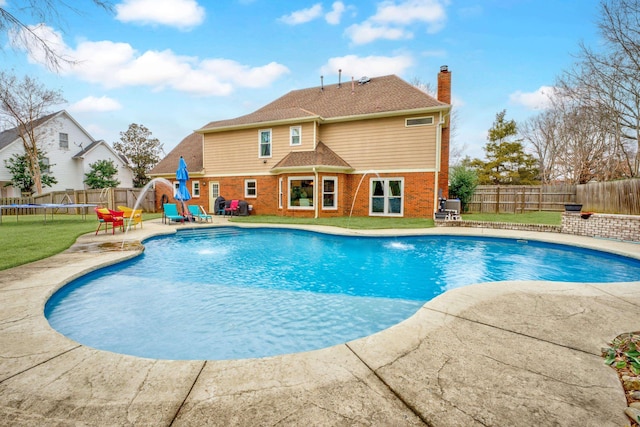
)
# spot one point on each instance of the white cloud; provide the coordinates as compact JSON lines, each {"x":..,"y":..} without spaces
{"x":355,"y":66}
{"x":91,"y":103}
{"x":391,"y":18}
{"x":337,"y":9}
{"x":183,"y":14}
{"x":367,"y":32}
{"x":538,"y":100}
{"x":119,"y":65}
{"x":303,"y":16}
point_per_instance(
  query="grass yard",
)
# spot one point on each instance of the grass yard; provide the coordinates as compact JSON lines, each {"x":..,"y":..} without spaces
{"x":30,"y":239}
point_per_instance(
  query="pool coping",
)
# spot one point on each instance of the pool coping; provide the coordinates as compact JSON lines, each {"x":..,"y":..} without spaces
{"x":487,"y":354}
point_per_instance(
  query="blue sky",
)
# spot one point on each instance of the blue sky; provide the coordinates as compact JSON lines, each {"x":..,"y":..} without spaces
{"x":175,"y":65}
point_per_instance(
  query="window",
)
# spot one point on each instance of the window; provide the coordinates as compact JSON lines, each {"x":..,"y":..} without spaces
{"x":47,"y":165}
{"x":329,"y":193}
{"x":301,"y":192}
{"x":280,"y":195}
{"x":419,"y":121}
{"x":195,"y":188}
{"x":176,"y":185}
{"x":215,"y":189}
{"x":64,"y":140}
{"x":250,"y":188}
{"x":295,"y":135}
{"x":386,"y":197}
{"x":265,"y":143}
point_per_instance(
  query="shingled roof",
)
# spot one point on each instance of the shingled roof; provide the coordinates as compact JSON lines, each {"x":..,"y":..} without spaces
{"x":321,"y":157}
{"x":386,"y":94}
{"x":191,"y":149}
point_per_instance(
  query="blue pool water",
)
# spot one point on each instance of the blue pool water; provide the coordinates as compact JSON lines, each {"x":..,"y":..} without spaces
{"x":231,"y":293}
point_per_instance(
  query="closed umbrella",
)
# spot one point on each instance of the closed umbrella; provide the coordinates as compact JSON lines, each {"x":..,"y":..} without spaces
{"x":182,"y":176}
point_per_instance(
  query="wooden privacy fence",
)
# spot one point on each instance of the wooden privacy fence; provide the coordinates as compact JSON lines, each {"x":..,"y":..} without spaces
{"x":520,"y":199}
{"x":614,"y":197}
{"x":108,"y":197}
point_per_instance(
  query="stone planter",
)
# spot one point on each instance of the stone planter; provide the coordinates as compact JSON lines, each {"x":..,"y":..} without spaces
{"x":572,"y":207}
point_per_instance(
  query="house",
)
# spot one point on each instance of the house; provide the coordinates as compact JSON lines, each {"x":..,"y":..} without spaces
{"x":69,"y":150}
{"x":372,"y":147}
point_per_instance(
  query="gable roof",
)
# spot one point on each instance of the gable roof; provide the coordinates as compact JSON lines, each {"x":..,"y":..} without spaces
{"x":10,"y":135}
{"x":191,"y":149}
{"x":380,"y":96}
{"x":322,"y":157}
{"x":96,"y":144}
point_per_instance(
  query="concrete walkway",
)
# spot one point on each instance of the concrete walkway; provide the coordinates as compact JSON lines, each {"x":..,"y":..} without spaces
{"x":497,"y":354}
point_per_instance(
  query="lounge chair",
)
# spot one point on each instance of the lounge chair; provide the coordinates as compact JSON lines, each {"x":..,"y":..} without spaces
{"x":171,"y":212}
{"x":131,"y":217}
{"x":233,"y":208}
{"x":106,"y":217}
{"x":199,"y":213}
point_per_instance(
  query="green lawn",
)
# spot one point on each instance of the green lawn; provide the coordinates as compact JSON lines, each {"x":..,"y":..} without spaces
{"x":30,"y":238}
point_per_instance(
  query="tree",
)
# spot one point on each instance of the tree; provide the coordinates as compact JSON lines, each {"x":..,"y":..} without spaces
{"x":21,"y":178}
{"x":507,"y":163}
{"x":102,"y":175}
{"x":142,"y":151}
{"x":45,"y":11}
{"x":607,"y":81}
{"x":22,"y":103}
{"x":463,"y":183}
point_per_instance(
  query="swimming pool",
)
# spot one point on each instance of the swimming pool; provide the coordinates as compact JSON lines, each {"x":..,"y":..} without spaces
{"x":229,"y":293}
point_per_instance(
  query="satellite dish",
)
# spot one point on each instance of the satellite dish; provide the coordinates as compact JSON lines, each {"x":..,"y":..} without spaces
{"x":363,"y":80}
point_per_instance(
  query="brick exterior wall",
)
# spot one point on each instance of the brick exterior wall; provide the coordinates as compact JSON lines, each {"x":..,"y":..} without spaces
{"x":608,"y":226}
{"x":418,"y":194}
{"x":444,"y":95}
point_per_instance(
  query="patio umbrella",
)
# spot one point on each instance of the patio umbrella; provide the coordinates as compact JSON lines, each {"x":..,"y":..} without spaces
{"x":182,"y":176}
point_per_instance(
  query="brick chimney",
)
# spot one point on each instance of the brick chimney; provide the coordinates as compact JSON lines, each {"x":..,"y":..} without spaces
{"x":444,"y":85}
{"x":444,"y":95}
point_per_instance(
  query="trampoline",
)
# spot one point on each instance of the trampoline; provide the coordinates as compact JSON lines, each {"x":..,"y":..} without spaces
{"x":52,"y":207}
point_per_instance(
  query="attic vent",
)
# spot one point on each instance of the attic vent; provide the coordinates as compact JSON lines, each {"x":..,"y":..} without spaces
{"x":363,"y":80}
{"x":419,"y":121}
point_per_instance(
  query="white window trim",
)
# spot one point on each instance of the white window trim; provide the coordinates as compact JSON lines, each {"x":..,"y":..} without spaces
{"x":386,"y":197}
{"x":194,"y":185}
{"x":214,"y":189}
{"x":260,"y":132}
{"x":406,"y":121}
{"x":60,"y":140}
{"x":246,"y":188}
{"x":291,"y":128}
{"x":299,"y":178}
{"x":335,"y":193}
{"x":280,"y":194}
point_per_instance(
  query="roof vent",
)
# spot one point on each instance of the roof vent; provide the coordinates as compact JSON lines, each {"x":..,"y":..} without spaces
{"x":363,"y":80}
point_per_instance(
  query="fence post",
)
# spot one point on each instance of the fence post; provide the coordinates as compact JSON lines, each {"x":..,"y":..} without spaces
{"x":498,"y":199}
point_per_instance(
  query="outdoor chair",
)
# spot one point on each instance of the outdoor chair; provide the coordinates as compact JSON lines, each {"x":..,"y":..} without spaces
{"x":171,"y":213}
{"x":199,"y":213}
{"x":131,"y":217}
{"x":233,"y":208}
{"x":106,"y":217}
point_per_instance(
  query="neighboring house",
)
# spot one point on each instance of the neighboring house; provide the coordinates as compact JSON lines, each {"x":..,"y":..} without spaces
{"x":372,"y":147}
{"x":69,"y":150}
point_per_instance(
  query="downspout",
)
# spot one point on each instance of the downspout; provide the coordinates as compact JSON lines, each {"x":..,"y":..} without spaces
{"x":315,"y":193}
{"x":436,"y":202}
{"x":441,"y":122}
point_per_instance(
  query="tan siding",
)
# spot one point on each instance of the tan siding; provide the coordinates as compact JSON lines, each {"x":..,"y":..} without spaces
{"x":382,"y":144}
{"x":236,"y":152}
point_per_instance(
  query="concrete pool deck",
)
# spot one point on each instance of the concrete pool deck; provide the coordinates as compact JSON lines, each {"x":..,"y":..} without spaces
{"x":495,"y":354}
